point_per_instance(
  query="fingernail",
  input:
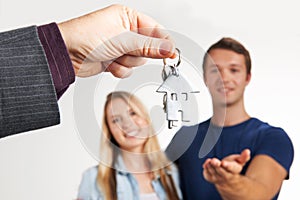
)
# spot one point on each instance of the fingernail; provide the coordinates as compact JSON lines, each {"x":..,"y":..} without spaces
{"x":165,"y":48}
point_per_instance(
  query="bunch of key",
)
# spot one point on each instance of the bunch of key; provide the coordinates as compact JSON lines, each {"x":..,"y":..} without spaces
{"x":177,"y":91}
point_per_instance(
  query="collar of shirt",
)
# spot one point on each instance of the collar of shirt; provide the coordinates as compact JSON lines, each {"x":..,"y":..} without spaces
{"x":122,"y":170}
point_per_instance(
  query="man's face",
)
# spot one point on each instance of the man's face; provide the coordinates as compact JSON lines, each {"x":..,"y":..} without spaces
{"x":226,"y":76}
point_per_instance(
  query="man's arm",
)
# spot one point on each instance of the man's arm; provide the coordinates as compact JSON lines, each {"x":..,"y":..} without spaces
{"x":262,"y":180}
{"x":58,"y":58}
{"x":28,"y":100}
{"x":113,"y":39}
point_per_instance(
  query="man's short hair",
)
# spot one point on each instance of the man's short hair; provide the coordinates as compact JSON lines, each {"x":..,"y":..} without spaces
{"x":232,"y":45}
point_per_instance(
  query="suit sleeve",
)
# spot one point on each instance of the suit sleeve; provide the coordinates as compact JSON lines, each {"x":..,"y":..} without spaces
{"x":27,"y":96}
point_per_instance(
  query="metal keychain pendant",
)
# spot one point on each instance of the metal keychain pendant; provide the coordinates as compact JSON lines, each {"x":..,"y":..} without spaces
{"x":177,"y":91}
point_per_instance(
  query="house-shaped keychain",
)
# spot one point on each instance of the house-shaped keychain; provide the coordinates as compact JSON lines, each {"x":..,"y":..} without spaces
{"x":177,"y":94}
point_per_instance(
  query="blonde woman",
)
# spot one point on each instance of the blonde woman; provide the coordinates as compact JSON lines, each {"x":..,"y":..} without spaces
{"x":132,"y":166}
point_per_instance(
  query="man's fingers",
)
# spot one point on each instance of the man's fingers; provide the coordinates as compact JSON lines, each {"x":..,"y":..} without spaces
{"x":151,"y":47}
{"x":222,"y":173}
{"x":145,"y":25}
{"x":133,"y":44}
{"x":212,"y":172}
{"x":130,"y":61}
{"x":122,"y":67}
{"x":149,"y":27}
{"x":232,"y":167}
{"x":140,"y":45}
{"x":87,"y":69}
{"x":205,"y":164}
{"x":216,"y":174}
{"x":118,"y":70}
{"x":215,"y":162}
{"x":213,"y":167}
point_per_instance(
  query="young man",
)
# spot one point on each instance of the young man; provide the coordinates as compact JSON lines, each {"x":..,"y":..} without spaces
{"x":232,"y":155}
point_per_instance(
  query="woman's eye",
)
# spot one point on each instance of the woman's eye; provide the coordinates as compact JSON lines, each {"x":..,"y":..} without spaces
{"x":116,"y":120}
{"x":132,"y":113}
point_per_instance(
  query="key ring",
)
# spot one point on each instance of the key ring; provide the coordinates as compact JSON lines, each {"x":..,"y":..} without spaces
{"x":174,"y":67}
{"x":179,"y":59}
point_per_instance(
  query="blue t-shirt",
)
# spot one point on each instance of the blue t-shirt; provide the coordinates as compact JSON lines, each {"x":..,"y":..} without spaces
{"x":191,"y":146}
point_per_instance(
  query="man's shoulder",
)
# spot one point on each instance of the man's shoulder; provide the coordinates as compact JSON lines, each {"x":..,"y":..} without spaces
{"x":276,"y":143}
{"x":264,"y":127}
{"x":264,"y":133}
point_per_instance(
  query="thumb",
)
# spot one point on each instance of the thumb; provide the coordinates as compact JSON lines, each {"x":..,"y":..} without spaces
{"x":144,"y":46}
{"x":244,"y":156}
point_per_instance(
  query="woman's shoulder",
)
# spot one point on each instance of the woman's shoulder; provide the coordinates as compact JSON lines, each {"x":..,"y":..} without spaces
{"x":173,"y":169}
{"x":91,"y":172}
{"x":88,"y":188}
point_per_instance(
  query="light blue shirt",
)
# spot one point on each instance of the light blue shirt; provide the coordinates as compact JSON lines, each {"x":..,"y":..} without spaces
{"x":127,"y":186}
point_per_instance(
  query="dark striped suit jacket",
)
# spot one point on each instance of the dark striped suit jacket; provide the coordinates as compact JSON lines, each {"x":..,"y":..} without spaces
{"x":27,"y":95}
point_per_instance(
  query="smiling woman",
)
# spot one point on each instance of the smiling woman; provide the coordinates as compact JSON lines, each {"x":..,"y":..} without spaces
{"x":127,"y":124}
{"x":129,"y":154}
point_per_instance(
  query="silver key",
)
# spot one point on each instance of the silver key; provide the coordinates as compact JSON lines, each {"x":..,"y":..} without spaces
{"x":177,"y":91}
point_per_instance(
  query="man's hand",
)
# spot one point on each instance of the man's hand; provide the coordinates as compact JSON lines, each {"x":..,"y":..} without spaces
{"x":223,"y":171}
{"x":114,"y":39}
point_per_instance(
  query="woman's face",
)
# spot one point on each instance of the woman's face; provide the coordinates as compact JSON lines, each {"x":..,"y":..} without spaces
{"x":129,"y":130}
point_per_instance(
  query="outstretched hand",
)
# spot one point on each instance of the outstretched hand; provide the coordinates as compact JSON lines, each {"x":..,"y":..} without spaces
{"x":221,"y":171}
{"x":114,"y":39}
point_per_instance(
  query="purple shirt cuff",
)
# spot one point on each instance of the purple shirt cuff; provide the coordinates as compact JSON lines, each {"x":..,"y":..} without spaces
{"x":59,"y":62}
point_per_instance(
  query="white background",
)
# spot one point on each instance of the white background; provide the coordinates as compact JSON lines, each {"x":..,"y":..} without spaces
{"x":47,"y":164}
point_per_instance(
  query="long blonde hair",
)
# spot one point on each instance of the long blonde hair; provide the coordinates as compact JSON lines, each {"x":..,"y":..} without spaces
{"x":159,"y":164}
